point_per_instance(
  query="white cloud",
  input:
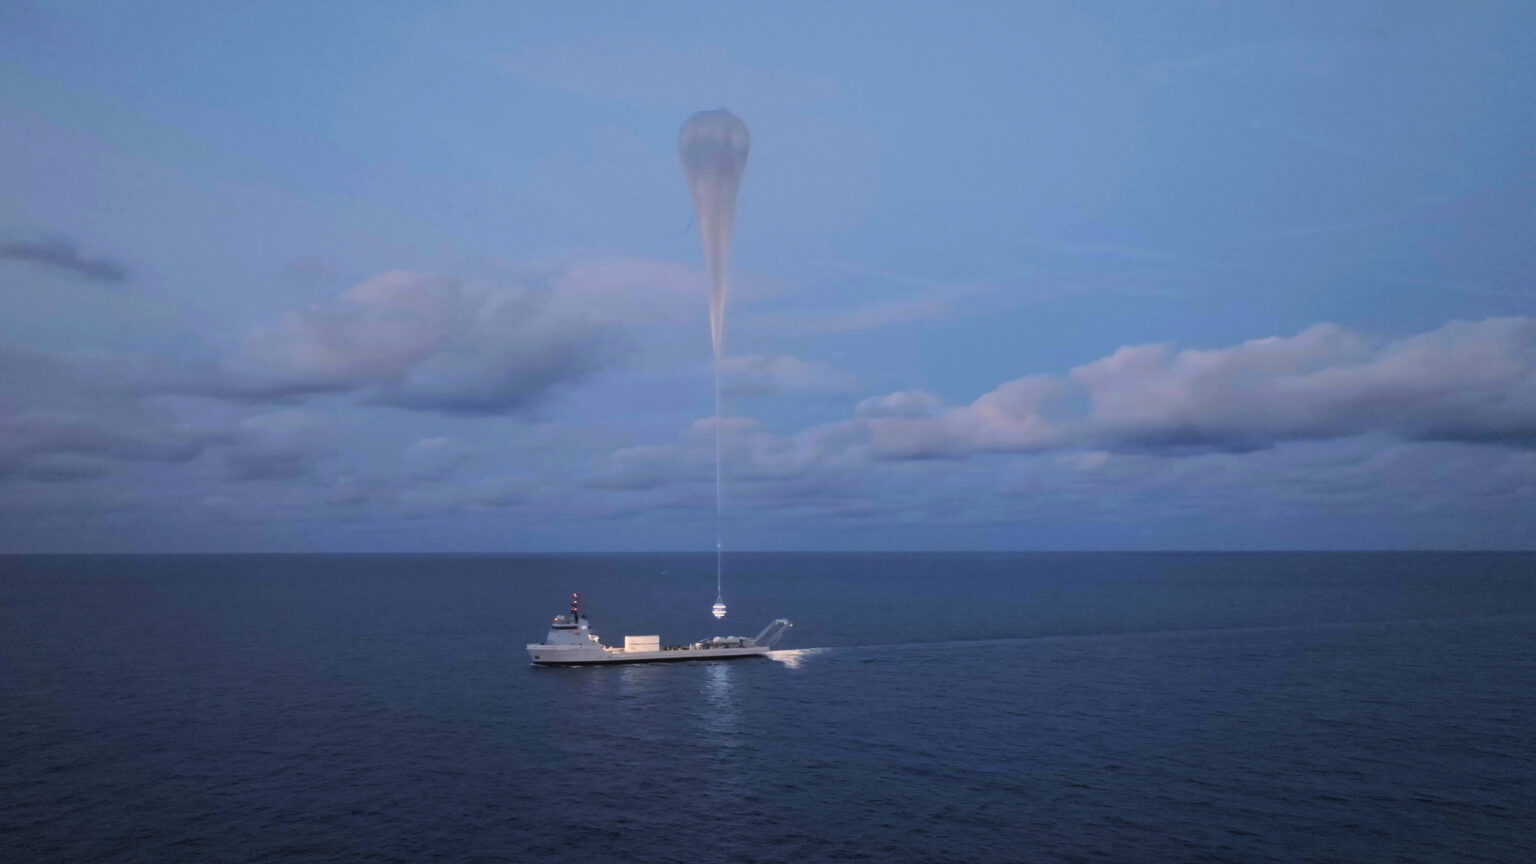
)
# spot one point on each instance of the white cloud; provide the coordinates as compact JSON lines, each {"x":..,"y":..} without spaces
{"x":905,"y":404}
{"x":422,"y":342}
{"x":1466,"y":381}
{"x":1283,"y":423}
{"x":1326,"y":421}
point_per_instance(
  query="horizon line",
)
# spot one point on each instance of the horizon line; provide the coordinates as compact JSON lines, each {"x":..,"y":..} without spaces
{"x":711,"y":553}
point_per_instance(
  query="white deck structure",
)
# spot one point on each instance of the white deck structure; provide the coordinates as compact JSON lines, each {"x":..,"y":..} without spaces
{"x":571,"y":643}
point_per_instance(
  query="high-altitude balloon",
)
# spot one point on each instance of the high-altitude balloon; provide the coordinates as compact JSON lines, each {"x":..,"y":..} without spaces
{"x":713,"y":146}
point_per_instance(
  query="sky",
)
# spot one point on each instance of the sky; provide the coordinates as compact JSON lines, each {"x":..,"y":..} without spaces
{"x":390,"y":277}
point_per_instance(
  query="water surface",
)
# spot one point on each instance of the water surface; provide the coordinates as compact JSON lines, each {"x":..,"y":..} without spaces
{"x":977,"y":708}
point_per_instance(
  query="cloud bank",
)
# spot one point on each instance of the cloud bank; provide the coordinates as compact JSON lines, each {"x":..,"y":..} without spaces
{"x":65,"y":419}
{"x":1326,"y":421}
{"x":421,"y":342}
{"x":60,"y":253}
{"x":1464,"y":382}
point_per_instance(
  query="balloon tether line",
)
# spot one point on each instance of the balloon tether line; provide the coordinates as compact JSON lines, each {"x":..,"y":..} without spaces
{"x":719,"y":509}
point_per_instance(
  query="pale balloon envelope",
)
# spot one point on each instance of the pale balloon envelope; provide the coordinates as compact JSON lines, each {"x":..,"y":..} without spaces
{"x":713,"y":146}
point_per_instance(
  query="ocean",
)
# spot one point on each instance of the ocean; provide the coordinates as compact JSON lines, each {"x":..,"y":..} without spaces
{"x":925,"y":708}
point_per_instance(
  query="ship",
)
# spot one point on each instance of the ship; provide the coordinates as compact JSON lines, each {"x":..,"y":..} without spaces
{"x":571,"y":642}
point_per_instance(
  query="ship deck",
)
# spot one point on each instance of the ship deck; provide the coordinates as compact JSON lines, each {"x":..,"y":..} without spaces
{"x":685,"y":653}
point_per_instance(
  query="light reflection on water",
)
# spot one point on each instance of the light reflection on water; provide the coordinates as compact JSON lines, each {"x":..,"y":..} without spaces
{"x":720,"y":726}
{"x":794,"y":658}
{"x":638,"y":678}
{"x":720,"y":711}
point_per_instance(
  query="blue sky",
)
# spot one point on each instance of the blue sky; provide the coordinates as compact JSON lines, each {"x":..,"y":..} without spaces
{"x":1087,"y":276}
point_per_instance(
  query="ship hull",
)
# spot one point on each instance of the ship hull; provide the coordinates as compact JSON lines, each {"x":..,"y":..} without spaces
{"x":542,"y":656}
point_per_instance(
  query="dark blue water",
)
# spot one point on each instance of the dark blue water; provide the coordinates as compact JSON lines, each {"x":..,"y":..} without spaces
{"x":967,"y":708}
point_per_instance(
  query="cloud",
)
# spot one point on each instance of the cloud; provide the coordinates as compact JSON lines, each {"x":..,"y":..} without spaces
{"x":486,"y":493}
{"x":281,"y":445}
{"x":907,"y":404}
{"x":422,"y":342}
{"x":749,"y":451}
{"x":1149,"y":407}
{"x":63,"y":468}
{"x":1361,"y":478}
{"x":434,"y":458}
{"x":65,"y":418}
{"x":60,"y":253}
{"x":33,"y":433}
{"x":780,"y":374}
{"x":1466,"y":381}
{"x":1020,"y":416}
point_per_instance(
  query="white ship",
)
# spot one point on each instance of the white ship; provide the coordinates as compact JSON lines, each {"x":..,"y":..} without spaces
{"x":570,"y":642}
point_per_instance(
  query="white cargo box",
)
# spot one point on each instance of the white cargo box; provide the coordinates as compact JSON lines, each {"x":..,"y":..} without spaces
{"x":642,"y":643}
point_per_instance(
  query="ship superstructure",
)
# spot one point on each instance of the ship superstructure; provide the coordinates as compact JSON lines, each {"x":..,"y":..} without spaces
{"x":571,"y":642}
